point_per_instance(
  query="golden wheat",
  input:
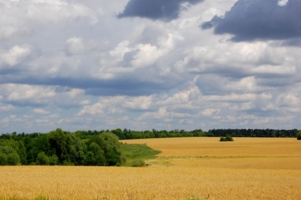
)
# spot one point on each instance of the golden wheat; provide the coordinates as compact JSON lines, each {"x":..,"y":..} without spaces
{"x":270,"y":170}
{"x":213,"y":147}
{"x":149,"y":183}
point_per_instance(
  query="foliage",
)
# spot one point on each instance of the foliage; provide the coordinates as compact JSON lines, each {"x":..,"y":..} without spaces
{"x":17,"y":146}
{"x":111,"y":147}
{"x":8,"y":156}
{"x":135,"y":151}
{"x":59,"y":147}
{"x":53,"y":160}
{"x":42,"y":159}
{"x":95,"y":155}
{"x":252,"y":133}
{"x":131,"y":152}
{"x":138,"y":162}
{"x":299,"y":135}
{"x":39,"y":143}
{"x":102,"y":147}
{"x":131,"y":134}
{"x":67,"y":146}
{"x":3,"y":159}
{"x":228,"y":138}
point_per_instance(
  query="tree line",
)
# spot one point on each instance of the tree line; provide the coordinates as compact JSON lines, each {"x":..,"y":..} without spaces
{"x":252,"y":133}
{"x":130,"y":134}
{"x":102,"y":147}
{"x":59,"y":147}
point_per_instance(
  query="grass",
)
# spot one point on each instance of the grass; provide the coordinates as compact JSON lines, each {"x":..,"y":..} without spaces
{"x":134,"y":152}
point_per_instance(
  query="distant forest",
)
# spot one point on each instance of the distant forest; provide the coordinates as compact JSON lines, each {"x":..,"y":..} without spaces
{"x":102,"y":148}
{"x":132,"y":134}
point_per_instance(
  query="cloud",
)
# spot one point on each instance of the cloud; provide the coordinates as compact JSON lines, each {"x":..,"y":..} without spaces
{"x":21,"y":95}
{"x":165,"y":10}
{"x":73,"y":64}
{"x":15,"y":55}
{"x":9,"y":31}
{"x":117,"y":104}
{"x":6,"y":108}
{"x":75,"y":45}
{"x":40,"y":111}
{"x":209,"y":111}
{"x":217,"y":85}
{"x":263,"y":20}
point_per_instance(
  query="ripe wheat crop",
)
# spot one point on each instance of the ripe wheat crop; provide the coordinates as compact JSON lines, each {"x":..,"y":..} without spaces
{"x":187,"y":168}
{"x":206,"y":146}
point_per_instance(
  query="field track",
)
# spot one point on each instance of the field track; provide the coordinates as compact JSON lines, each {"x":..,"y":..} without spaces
{"x":187,"y":168}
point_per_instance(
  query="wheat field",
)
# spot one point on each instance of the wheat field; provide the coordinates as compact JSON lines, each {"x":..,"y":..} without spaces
{"x":207,"y":146}
{"x":187,"y":168}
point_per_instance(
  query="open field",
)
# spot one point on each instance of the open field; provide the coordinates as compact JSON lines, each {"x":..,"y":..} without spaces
{"x":258,"y":153}
{"x":206,"y":146}
{"x":248,"y":168}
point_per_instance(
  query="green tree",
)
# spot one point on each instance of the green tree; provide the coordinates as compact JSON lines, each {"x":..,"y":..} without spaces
{"x":110,"y":144}
{"x":17,"y":146}
{"x":53,"y":160}
{"x":67,"y":147}
{"x":58,"y":142}
{"x":75,"y":149}
{"x":95,"y":155}
{"x":42,"y":159}
{"x":40,"y":143}
{"x":299,"y":135}
{"x":3,"y":159}
{"x":22,"y":152}
{"x":119,"y":133}
{"x":8,"y":156}
{"x":13,"y":159}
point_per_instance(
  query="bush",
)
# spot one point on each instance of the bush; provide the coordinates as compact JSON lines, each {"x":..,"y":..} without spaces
{"x":13,"y":159}
{"x":53,"y":160}
{"x":8,"y":156}
{"x":226,"y":139}
{"x":42,"y":159}
{"x":138,"y":163}
{"x":299,"y":135}
{"x":3,"y":159}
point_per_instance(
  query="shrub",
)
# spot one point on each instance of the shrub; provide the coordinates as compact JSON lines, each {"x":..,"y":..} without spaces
{"x":299,"y":135}
{"x":13,"y":159}
{"x":226,"y":139}
{"x":53,"y":160}
{"x":42,"y":159}
{"x":138,"y":163}
{"x":3,"y":159}
{"x":8,"y":156}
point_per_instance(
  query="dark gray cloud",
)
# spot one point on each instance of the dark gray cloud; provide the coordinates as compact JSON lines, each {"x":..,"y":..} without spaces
{"x":296,"y":42}
{"x":210,"y":84}
{"x":143,"y":74}
{"x":260,"y":112}
{"x":165,"y":10}
{"x":264,"y":20}
{"x":97,"y":87}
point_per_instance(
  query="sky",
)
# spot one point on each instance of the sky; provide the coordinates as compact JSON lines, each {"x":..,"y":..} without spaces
{"x":144,"y":64}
